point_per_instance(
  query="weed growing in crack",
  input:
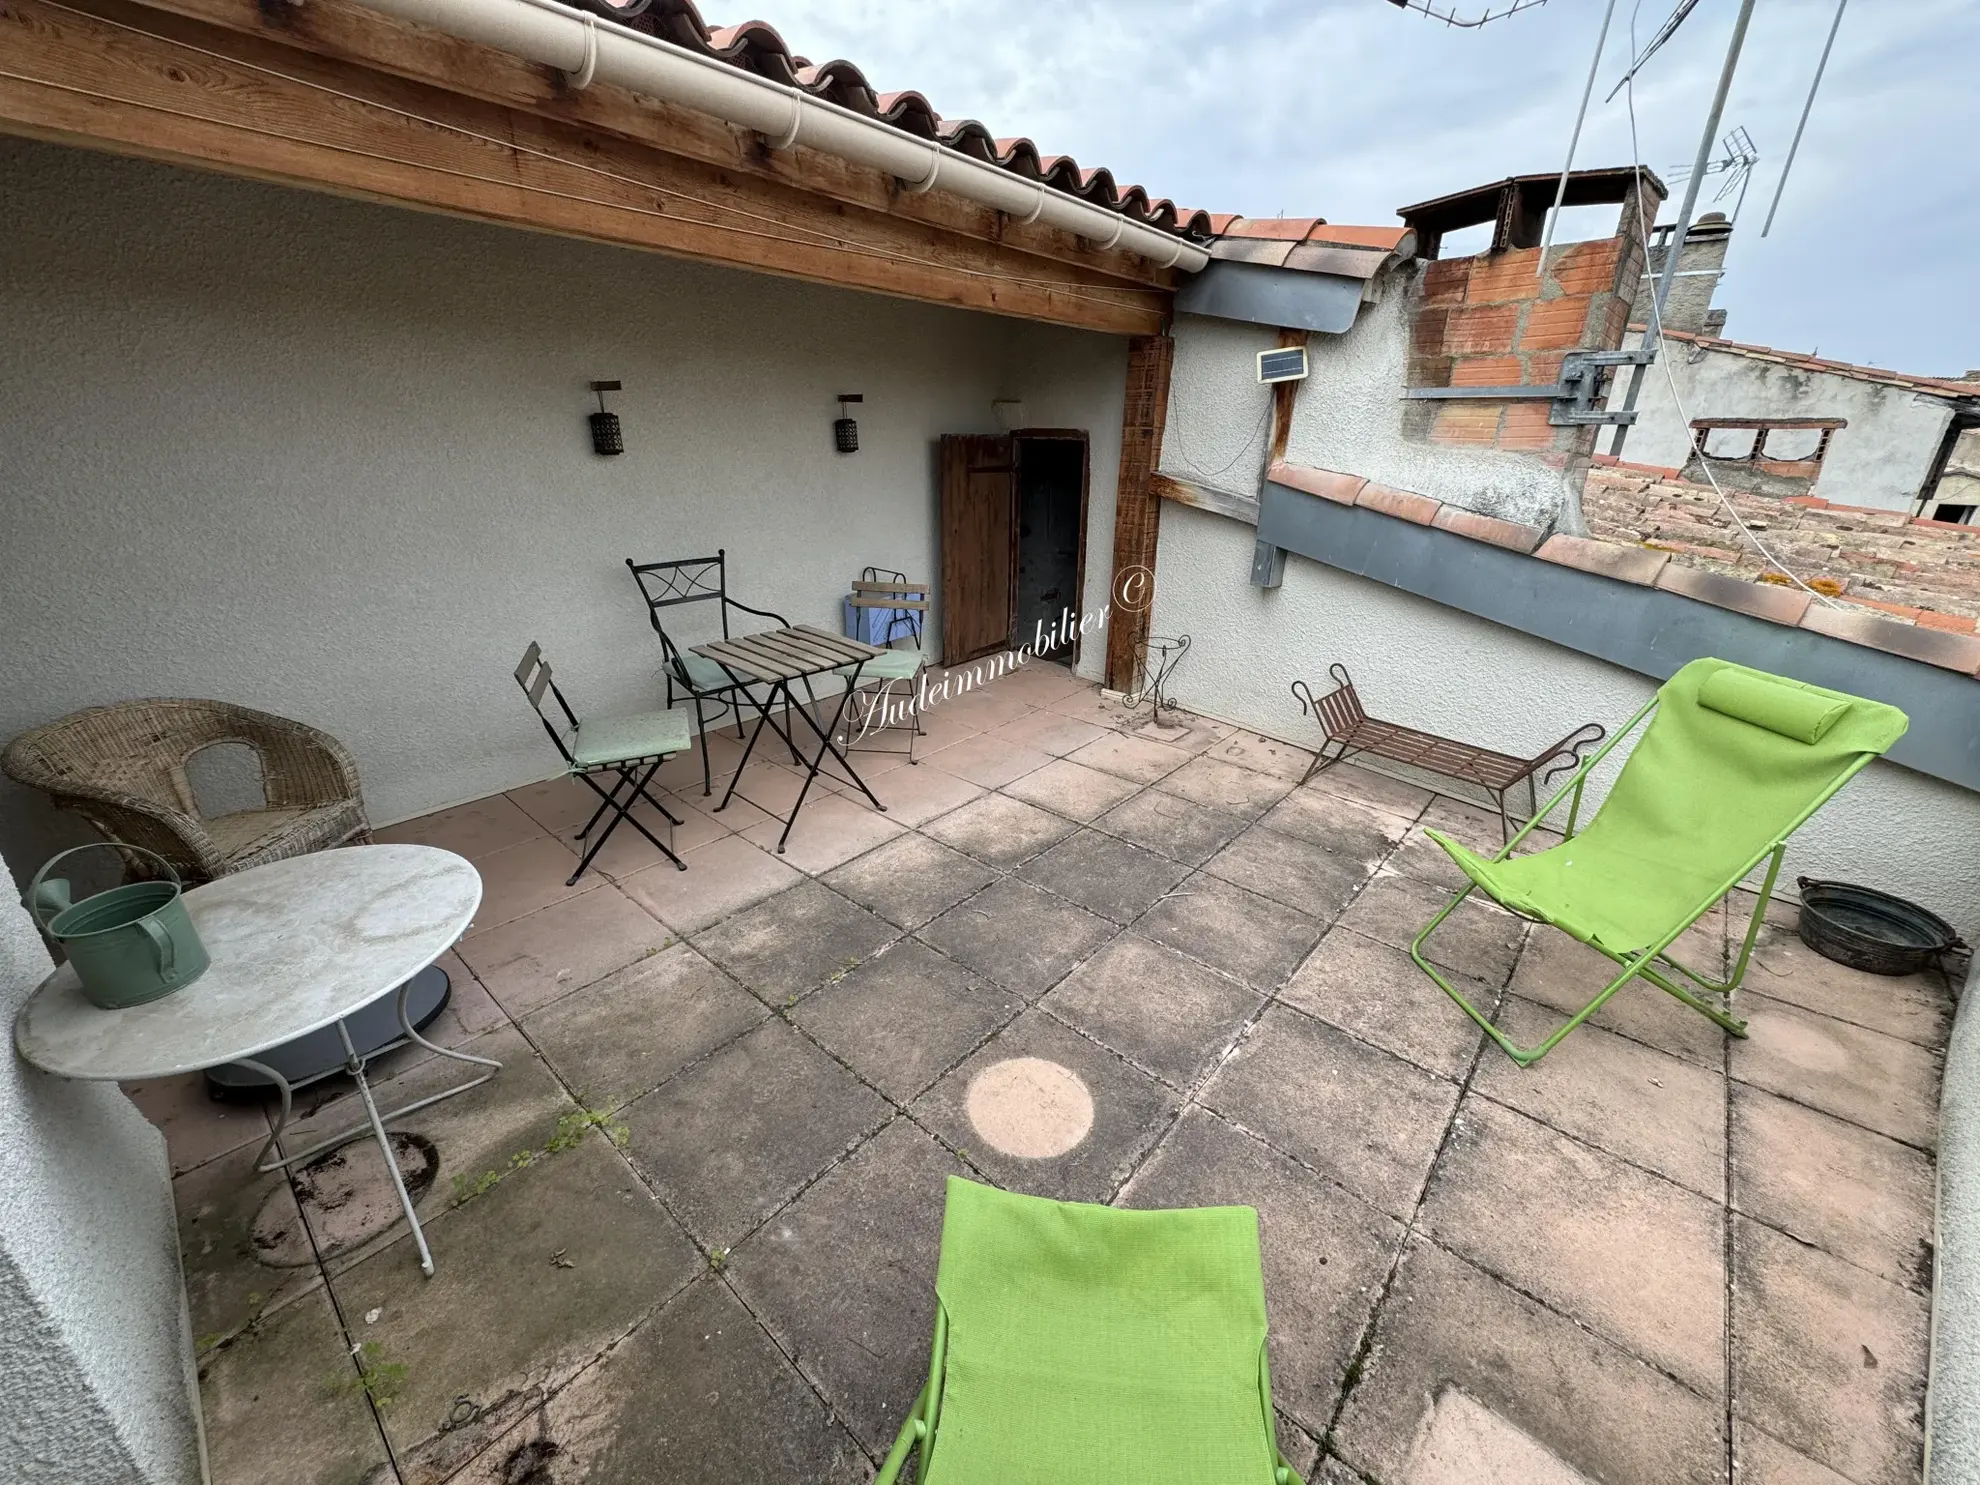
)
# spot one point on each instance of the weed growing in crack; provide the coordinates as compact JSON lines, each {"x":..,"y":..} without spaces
{"x":378,"y":1379}
{"x":571,"y":1129}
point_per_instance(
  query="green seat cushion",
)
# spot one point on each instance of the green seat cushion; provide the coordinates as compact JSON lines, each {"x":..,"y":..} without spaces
{"x":890,"y":665}
{"x":704,"y":674}
{"x":1093,"y":1346}
{"x":1705,"y":794}
{"x":605,"y":740}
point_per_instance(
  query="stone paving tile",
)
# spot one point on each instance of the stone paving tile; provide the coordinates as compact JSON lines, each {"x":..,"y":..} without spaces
{"x":234,"y":1225}
{"x":1870,"y":1079}
{"x":519,"y":879}
{"x":1914,"y":1008}
{"x":1325,"y":1254}
{"x":537,"y":959}
{"x":916,"y":795}
{"x":1857,"y":1195}
{"x":1592,"y":1404}
{"x":789,"y":944}
{"x":910,"y":880}
{"x":845,"y":1278}
{"x":1352,"y":831}
{"x":1089,"y":705}
{"x":626,"y":851}
{"x":1002,"y":831}
{"x":1479,"y":941}
{"x":1315,"y":1092}
{"x":1017,"y":936}
{"x":1228,"y":928}
{"x":1379,"y":994}
{"x":1072,"y":789}
{"x":1042,"y":682}
{"x":1226,"y":786}
{"x":558,"y":805}
{"x":475,"y":830}
{"x":831,"y":829}
{"x":732,"y":1139}
{"x":1635,"y":1258}
{"x":500,"y":1316}
{"x":984,"y":708}
{"x":1048,"y":732}
{"x":905,"y":1017}
{"x":634,"y":1029}
{"x":1829,"y":1356}
{"x":1160,"y":1010}
{"x":1763,"y":1459}
{"x":989,"y":761}
{"x":1650,"y":1108}
{"x":1378,"y":790}
{"x":699,"y":1382}
{"x":197,"y":1127}
{"x":282,"y":1403}
{"x":1104,"y":874}
{"x":1140,"y":760}
{"x":1466,"y":1443}
{"x":1262,"y":754}
{"x":723,"y":877}
{"x":1309,"y":878}
{"x":1173,"y":826}
{"x":1557,"y":972}
{"x":1130,"y":1112}
{"x":1178,"y":729}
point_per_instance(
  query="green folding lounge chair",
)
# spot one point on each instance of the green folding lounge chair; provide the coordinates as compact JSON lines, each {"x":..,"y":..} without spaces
{"x":1083,"y":1345}
{"x":1732,"y":763}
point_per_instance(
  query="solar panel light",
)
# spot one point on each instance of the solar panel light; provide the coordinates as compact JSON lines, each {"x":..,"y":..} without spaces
{"x":1286,"y":365}
{"x":845,"y":432}
{"x":606,"y":435}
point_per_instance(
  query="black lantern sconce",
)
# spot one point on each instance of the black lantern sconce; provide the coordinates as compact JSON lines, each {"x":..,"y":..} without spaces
{"x":606,"y":436}
{"x":845,"y":432}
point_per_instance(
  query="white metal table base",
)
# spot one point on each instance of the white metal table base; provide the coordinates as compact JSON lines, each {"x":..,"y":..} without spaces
{"x":354,"y":1064}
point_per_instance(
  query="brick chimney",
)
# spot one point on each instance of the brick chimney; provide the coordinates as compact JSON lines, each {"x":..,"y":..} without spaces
{"x":1701,"y":264}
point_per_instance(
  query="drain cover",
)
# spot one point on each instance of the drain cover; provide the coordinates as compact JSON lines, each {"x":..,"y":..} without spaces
{"x":347,"y":1197}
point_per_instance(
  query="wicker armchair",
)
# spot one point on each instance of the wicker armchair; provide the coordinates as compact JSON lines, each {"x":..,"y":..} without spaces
{"x":123,"y":769}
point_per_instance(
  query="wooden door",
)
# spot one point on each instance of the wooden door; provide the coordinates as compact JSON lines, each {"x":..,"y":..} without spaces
{"x":979,"y":545}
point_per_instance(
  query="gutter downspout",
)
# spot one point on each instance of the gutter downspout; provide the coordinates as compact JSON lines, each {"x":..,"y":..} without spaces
{"x":591,"y":49}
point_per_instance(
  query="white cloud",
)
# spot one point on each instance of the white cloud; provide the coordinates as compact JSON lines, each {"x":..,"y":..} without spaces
{"x":1348,"y":109}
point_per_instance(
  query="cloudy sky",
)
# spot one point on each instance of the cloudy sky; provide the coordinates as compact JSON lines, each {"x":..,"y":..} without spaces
{"x":1347,"y":109}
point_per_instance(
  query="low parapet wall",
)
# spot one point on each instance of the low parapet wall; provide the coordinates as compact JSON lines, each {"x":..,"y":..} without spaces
{"x":1952,"y":1448}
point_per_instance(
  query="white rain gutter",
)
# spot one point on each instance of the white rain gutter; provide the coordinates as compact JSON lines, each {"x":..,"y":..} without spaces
{"x":590,"y":49}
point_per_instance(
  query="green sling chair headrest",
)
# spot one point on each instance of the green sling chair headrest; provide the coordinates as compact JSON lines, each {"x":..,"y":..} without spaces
{"x":1786,"y":707}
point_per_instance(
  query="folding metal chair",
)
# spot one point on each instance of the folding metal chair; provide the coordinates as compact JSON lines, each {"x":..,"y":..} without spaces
{"x":617,"y":745}
{"x":903,"y":604}
{"x":697,"y":580}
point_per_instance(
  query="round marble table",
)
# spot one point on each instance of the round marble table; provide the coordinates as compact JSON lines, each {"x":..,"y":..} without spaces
{"x":295,"y":945}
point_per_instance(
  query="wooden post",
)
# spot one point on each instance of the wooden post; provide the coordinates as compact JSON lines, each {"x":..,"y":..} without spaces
{"x":1137,"y":509}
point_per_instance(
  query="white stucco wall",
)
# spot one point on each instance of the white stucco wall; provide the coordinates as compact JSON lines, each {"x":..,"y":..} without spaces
{"x":1881,"y":459}
{"x":96,"y":1348}
{"x":1424,"y":665}
{"x":1348,"y":417}
{"x":330,"y":459}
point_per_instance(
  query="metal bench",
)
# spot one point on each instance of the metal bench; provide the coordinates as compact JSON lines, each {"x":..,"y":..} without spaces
{"x":1352,"y":732}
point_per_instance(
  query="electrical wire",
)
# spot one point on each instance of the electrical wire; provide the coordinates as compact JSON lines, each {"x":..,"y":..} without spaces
{"x":1090,"y":293}
{"x":1264,"y":422}
{"x":1664,"y":34}
{"x":1654,"y":332}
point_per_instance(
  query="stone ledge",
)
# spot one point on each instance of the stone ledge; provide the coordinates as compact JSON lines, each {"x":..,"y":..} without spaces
{"x":1636,"y":565}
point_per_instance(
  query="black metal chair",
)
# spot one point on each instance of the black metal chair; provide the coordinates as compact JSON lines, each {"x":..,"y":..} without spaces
{"x":688,"y":675}
{"x":632,"y":748}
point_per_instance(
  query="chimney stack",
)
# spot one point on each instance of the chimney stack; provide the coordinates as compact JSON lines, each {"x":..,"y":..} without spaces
{"x":1700,"y":265}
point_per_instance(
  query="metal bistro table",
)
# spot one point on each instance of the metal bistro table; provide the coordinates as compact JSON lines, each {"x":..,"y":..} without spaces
{"x":296,"y":945}
{"x":774,"y":660}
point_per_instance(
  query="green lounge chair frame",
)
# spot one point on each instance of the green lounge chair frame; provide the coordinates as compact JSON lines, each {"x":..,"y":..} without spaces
{"x":1877,"y":725}
{"x":1150,"y":1290}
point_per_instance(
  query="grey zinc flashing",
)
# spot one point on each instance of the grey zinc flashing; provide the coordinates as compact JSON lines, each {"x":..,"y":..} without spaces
{"x":1263,"y":295}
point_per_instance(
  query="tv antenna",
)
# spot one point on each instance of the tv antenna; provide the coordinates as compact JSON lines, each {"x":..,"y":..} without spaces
{"x":1451,"y":18}
{"x":1736,"y":165}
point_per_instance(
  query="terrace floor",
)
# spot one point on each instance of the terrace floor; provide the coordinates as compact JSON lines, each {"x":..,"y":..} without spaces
{"x":690,"y":1232}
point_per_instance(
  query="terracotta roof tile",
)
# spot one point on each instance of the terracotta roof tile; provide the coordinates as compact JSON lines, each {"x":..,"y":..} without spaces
{"x":1279,"y":229}
{"x":756,"y":47}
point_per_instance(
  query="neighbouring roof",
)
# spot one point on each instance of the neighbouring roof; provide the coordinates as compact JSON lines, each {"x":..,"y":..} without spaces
{"x":1309,"y":244}
{"x":755,"y":46}
{"x":1936,"y":386}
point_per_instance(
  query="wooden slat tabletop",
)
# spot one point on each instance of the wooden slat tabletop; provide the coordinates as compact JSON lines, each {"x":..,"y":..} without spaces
{"x":786,"y":654}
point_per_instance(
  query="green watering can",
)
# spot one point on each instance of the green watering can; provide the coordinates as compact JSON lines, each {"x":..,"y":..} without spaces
{"x":129,"y":945}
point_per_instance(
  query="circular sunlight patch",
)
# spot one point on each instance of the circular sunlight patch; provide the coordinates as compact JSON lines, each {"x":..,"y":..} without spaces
{"x":1030,"y":1107}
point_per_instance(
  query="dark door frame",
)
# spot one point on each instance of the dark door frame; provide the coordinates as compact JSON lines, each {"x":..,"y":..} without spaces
{"x":1018,"y":435}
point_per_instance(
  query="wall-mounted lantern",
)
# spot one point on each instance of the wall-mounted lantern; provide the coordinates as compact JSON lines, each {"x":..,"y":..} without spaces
{"x":606,"y":435}
{"x":845,"y":432}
